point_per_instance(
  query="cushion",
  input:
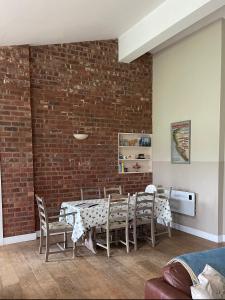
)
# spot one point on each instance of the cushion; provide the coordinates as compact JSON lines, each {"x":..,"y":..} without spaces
{"x":60,"y":226}
{"x":115,"y":225}
{"x":143,"y":221}
{"x":177,"y":276}
{"x":211,"y":285}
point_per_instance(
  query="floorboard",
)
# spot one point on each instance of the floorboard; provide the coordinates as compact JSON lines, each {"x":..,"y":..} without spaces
{"x":25,"y":275}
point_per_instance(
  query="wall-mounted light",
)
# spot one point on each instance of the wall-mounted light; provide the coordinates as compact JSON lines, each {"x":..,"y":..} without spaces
{"x":80,"y":136}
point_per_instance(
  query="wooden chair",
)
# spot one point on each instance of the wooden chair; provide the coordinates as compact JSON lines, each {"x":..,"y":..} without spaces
{"x":117,"y":218}
{"x":143,"y":215}
{"x":53,"y":228}
{"x":90,"y":193}
{"x":112,"y":191}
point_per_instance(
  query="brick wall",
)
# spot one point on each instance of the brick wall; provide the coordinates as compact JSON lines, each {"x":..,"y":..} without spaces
{"x":83,"y":87}
{"x":16,"y":141}
{"x":72,"y":87}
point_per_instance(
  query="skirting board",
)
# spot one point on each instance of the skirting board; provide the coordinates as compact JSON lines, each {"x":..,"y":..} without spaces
{"x":202,"y":234}
{"x":19,"y":238}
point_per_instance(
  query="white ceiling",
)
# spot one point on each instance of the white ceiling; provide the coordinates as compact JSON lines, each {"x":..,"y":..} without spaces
{"x":39,"y":22}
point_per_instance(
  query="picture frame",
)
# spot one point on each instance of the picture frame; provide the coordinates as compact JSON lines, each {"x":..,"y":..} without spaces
{"x":181,"y":142}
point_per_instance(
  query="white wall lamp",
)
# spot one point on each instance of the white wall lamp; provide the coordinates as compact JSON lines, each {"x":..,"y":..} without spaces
{"x":80,"y":136}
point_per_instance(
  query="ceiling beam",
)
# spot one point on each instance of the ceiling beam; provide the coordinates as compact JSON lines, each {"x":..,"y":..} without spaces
{"x":166,"y":21}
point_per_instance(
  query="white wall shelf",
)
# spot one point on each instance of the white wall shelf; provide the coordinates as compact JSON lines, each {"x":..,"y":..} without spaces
{"x":133,"y":172}
{"x":132,"y":146}
{"x":135,"y":159}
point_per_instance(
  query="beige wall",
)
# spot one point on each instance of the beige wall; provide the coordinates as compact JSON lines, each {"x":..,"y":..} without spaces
{"x":187,"y":86}
{"x":222,"y":137}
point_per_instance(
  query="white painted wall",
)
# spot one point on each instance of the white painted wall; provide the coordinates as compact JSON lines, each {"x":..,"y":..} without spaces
{"x":222,"y":137}
{"x":187,"y":86}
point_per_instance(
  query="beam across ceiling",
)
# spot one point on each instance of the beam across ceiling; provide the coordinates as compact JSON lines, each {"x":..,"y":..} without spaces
{"x":166,"y":21}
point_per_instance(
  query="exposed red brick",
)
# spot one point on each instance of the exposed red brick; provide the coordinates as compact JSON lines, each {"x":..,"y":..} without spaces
{"x":71,"y":87}
{"x":82,"y":87}
{"x":16,"y":141}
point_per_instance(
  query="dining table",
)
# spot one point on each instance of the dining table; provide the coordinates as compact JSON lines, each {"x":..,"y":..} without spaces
{"x":92,"y":214}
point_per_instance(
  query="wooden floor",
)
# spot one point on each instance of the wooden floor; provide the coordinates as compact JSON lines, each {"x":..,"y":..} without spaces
{"x":24,"y":274}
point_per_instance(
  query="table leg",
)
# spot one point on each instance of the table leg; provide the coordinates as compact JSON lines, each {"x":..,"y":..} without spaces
{"x":89,"y":241}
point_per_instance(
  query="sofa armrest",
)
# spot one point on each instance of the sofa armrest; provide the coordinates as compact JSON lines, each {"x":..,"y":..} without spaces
{"x":157,"y":288}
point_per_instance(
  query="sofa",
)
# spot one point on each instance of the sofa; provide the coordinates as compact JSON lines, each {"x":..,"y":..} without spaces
{"x":175,"y":283}
{"x":182,"y":272}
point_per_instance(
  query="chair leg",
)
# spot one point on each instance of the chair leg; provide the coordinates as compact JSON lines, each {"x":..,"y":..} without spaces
{"x":169,"y":230}
{"x":65,"y":241}
{"x":142,"y":229}
{"x":153,"y":233}
{"x":135,"y":236}
{"x":116,"y":237}
{"x":47,"y":247}
{"x":41,"y":241}
{"x":108,"y":243}
{"x":74,"y":250}
{"x":127,"y":239}
{"x":155,"y":224}
{"x":94,"y":237}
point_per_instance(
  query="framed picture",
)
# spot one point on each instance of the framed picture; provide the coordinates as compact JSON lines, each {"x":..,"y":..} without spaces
{"x":181,"y":142}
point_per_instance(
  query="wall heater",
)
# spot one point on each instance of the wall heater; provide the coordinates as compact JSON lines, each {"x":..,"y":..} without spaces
{"x":183,"y":202}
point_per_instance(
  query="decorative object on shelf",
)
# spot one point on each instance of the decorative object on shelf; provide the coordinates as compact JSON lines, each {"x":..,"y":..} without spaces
{"x":136,"y":167}
{"x":145,"y":141}
{"x":80,"y":136}
{"x":141,"y":156}
{"x":121,"y":167}
{"x":120,"y":156}
{"x":180,"y":142}
{"x":133,"y":142}
{"x":125,"y":169}
{"x":124,"y":142}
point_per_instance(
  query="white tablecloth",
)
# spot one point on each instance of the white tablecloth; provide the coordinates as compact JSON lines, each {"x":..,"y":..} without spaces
{"x":88,"y":216}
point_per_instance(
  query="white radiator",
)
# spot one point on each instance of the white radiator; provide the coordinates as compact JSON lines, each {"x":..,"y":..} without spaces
{"x":183,"y":202}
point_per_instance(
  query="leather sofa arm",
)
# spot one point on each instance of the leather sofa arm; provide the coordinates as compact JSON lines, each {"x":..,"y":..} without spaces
{"x":157,"y":288}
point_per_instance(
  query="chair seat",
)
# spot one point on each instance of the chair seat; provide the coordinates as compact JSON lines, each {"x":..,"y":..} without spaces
{"x":115,"y":225}
{"x":60,"y":227}
{"x":143,"y":221}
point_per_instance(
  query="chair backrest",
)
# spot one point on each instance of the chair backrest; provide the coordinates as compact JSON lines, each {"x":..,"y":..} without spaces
{"x":90,"y":193}
{"x":43,"y":214}
{"x":144,"y":205}
{"x":118,"y":211}
{"x":151,"y":188}
{"x":112,"y":190}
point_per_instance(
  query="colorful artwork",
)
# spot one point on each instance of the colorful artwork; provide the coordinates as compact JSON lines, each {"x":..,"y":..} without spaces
{"x":180,"y":142}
